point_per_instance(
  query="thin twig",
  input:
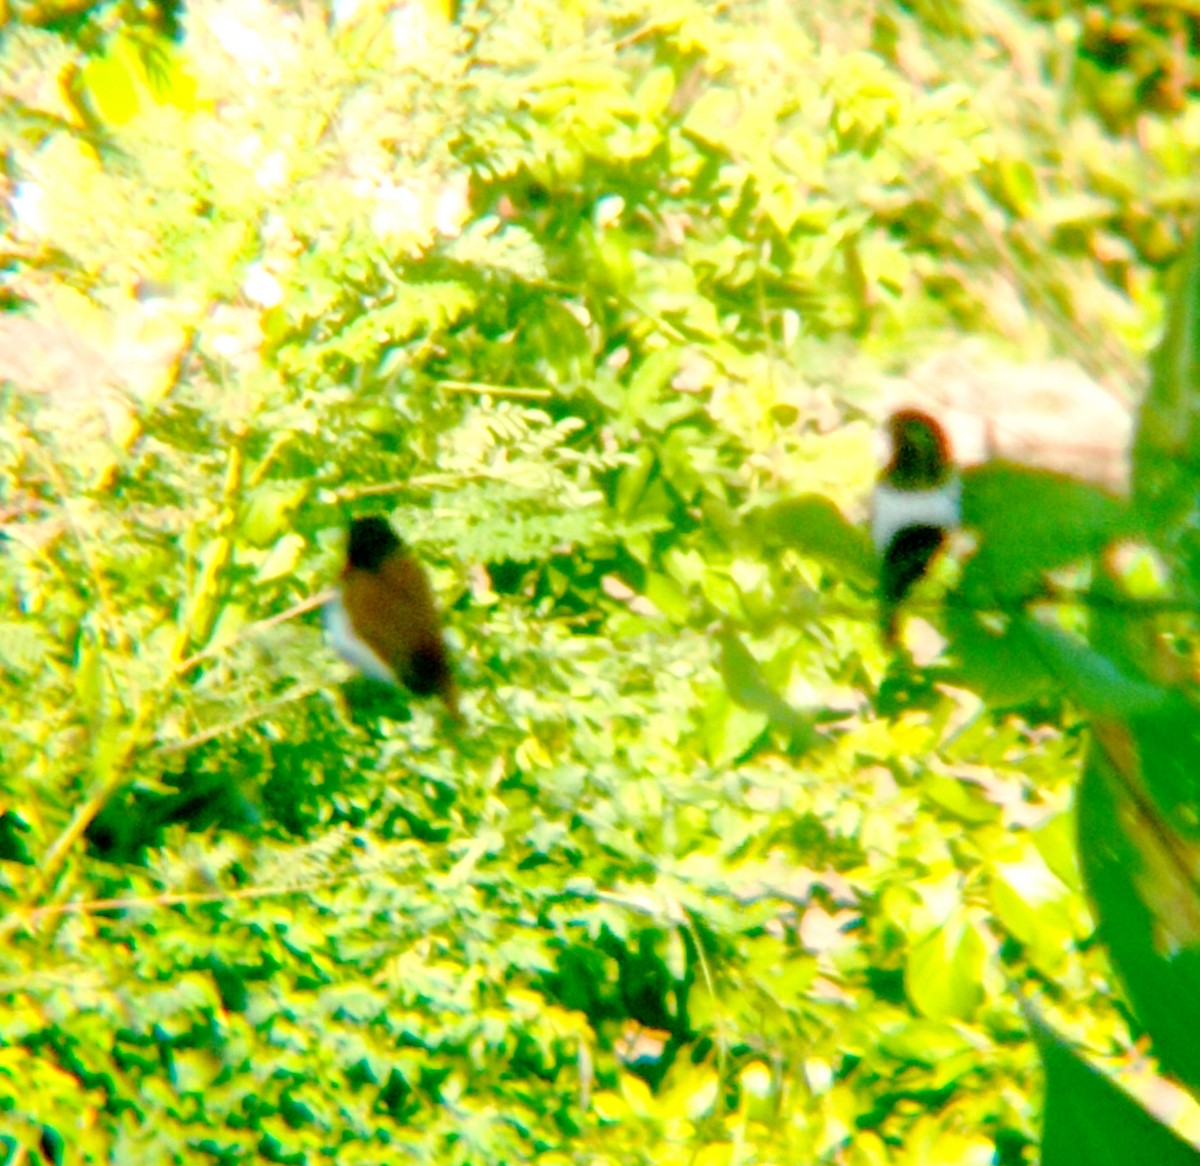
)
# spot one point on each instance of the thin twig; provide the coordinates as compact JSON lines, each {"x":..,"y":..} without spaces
{"x":92,"y":906}
{"x":255,"y":714}
{"x":420,"y":482}
{"x":255,"y":628}
{"x":517,"y":392}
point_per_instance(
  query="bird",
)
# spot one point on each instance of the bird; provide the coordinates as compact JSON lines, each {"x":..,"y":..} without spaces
{"x":383,"y":620}
{"x":917,"y":500}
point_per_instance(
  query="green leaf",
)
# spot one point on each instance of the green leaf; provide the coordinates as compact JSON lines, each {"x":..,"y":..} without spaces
{"x":994,"y":657}
{"x":1034,"y":907}
{"x":943,"y":974}
{"x":714,"y":116}
{"x":1030,"y":522}
{"x":1090,"y":1119}
{"x":281,"y":560}
{"x":749,"y":689}
{"x":959,"y":798}
{"x":648,"y":382}
{"x":667,"y":596}
{"x":270,"y":510}
{"x":730,"y":729}
{"x":926,"y":1042}
{"x":1093,"y":681}
{"x":1138,"y":847}
{"x":632,"y":482}
{"x":1166,"y":446}
{"x":1018,"y":185}
{"x":654,"y":93}
{"x":115,"y":83}
{"x":1012,"y":659}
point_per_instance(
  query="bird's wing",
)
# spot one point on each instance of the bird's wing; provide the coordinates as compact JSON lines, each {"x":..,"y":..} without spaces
{"x":395,"y":614}
{"x":343,"y":639}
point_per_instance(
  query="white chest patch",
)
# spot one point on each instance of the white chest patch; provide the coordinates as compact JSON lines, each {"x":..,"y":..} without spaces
{"x":344,"y":640}
{"x":893,"y":510}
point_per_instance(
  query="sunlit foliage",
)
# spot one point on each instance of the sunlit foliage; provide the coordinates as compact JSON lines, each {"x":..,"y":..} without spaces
{"x":593,"y":300}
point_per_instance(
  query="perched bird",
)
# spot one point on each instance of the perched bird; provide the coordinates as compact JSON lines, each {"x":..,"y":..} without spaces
{"x":917,"y":500}
{"x":383,"y":619}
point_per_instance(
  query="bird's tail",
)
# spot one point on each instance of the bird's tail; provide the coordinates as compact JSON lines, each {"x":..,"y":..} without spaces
{"x":427,"y":673}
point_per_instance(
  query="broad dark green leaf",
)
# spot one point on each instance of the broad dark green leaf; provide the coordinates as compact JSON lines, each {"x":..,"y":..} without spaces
{"x":1166,"y":448}
{"x":1029,"y":522}
{"x":1089,"y":1119}
{"x":1139,"y":853}
{"x":1012,"y":658}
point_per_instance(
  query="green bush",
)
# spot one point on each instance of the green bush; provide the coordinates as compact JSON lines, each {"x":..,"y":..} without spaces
{"x":591,"y":300}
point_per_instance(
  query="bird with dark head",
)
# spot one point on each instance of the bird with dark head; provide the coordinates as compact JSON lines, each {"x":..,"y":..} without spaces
{"x":383,"y":618}
{"x":917,"y":500}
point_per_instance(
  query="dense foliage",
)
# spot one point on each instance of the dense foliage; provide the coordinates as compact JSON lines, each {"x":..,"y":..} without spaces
{"x":592,"y":300}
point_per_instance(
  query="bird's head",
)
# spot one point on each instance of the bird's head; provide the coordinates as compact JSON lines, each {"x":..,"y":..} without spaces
{"x":372,"y":539}
{"x":920,"y":451}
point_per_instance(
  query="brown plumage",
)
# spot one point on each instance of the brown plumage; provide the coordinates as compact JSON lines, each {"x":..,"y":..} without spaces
{"x":389,"y":610}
